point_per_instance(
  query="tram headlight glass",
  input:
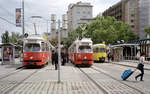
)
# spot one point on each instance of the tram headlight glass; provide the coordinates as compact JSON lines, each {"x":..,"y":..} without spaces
{"x":24,"y":55}
{"x":79,"y":56}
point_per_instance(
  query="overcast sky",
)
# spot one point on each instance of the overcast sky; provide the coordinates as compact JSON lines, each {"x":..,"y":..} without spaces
{"x":42,"y":8}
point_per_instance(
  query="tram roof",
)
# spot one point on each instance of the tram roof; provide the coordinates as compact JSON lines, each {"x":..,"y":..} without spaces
{"x":37,"y":37}
{"x":99,"y":44}
{"x":84,"y":40}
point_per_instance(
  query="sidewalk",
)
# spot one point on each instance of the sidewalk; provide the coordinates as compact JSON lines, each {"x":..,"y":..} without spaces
{"x":7,"y":68}
{"x":133,"y":63}
{"x":46,"y":82}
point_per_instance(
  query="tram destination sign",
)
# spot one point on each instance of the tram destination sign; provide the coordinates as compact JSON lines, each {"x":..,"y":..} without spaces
{"x":85,"y":43}
{"x":32,"y":41}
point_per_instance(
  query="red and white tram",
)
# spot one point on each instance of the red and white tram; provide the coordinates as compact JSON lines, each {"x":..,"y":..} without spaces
{"x":81,"y":53}
{"x":36,"y":51}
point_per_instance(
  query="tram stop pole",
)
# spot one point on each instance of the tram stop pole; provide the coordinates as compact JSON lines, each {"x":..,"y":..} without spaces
{"x":59,"y":55}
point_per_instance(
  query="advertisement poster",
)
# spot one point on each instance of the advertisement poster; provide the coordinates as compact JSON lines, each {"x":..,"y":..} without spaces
{"x":18,"y":17}
{"x":8,"y":54}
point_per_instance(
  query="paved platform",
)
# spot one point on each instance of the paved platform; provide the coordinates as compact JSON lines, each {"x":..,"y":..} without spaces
{"x":45,"y":81}
{"x":7,"y":68}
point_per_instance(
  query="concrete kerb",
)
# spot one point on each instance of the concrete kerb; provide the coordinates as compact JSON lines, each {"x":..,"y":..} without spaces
{"x":128,"y":65}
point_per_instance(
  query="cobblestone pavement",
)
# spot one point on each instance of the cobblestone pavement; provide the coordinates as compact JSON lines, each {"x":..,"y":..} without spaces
{"x":73,"y":81}
{"x":110,"y":85}
{"x":45,"y":82}
{"x":116,"y":71}
{"x":133,"y":63}
{"x":10,"y":68}
{"x":12,"y":81}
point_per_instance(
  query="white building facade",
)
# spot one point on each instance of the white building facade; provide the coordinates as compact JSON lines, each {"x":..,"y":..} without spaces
{"x":78,"y":11}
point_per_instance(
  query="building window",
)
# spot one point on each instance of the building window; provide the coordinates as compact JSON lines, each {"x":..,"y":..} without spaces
{"x":132,"y":15}
{"x":132,"y":21}
{"x":132,"y":3}
{"x":84,"y":16}
{"x":132,"y":26}
{"x":84,"y":12}
{"x":78,"y":12}
{"x":132,"y":10}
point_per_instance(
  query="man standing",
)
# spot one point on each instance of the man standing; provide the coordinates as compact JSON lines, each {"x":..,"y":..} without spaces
{"x":56,"y":60}
{"x":53,"y":57}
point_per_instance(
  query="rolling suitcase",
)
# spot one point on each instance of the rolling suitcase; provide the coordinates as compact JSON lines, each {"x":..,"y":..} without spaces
{"x":126,"y":74}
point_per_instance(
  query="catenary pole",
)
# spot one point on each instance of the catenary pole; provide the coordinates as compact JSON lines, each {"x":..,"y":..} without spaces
{"x":59,"y":55}
{"x":23,"y":18}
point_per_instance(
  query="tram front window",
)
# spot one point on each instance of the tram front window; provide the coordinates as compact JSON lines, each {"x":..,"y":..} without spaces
{"x":102,"y":50}
{"x":32,"y":48}
{"x":85,"y":49}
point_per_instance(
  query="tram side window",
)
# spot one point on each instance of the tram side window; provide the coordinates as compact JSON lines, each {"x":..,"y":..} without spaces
{"x":43,"y":46}
{"x":95,"y":50}
{"x":47,"y":48}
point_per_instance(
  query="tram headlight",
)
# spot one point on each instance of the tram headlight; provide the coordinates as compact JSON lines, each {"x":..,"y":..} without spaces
{"x":79,"y":56}
{"x":24,"y":55}
{"x":31,"y":57}
{"x":85,"y":57}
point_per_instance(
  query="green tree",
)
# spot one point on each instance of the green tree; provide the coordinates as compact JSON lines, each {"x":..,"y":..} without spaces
{"x":147,"y":30}
{"x":71,"y":37}
{"x":101,"y":29}
{"x":5,"y":37}
{"x":15,"y":37}
{"x":109,"y":30}
{"x":54,"y":41}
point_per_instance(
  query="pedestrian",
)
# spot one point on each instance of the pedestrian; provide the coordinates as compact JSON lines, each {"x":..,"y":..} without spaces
{"x":108,"y":56}
{"x":112,"y":57}
{"x":141,"y":67}
{"x":63,"y":55}
{"x":56,"y":60}
{"x":53,"y":57}
{"x":67,"y":57}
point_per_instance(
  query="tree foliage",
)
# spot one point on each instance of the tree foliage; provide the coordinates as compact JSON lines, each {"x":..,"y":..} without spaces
{"x":54,"y":41}
{"x":109,"y":30}
{"x":13,"y":38}
{"x":5,"y":37}
{"x":147,"y":30}
{"x":102,"y":29}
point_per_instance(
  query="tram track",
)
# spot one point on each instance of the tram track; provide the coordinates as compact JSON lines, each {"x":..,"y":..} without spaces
{"x":105,"y":91}
{"x":13,"y":85}
{"x":10,"y":74}
{"x":9,"y":90}
{"x":90,"y":78}
{"x":96,"y":69}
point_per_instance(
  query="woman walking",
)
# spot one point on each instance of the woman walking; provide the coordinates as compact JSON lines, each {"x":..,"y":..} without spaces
{"x":141,"y":67}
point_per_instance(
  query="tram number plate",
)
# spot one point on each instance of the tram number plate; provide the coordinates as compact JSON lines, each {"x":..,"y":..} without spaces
{"x":31,"y":63}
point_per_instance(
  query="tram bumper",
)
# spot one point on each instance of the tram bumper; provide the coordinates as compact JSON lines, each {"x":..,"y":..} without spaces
{"x":85,"y":61}
{"x":102,"y":59}
{"x":32,"y":62}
